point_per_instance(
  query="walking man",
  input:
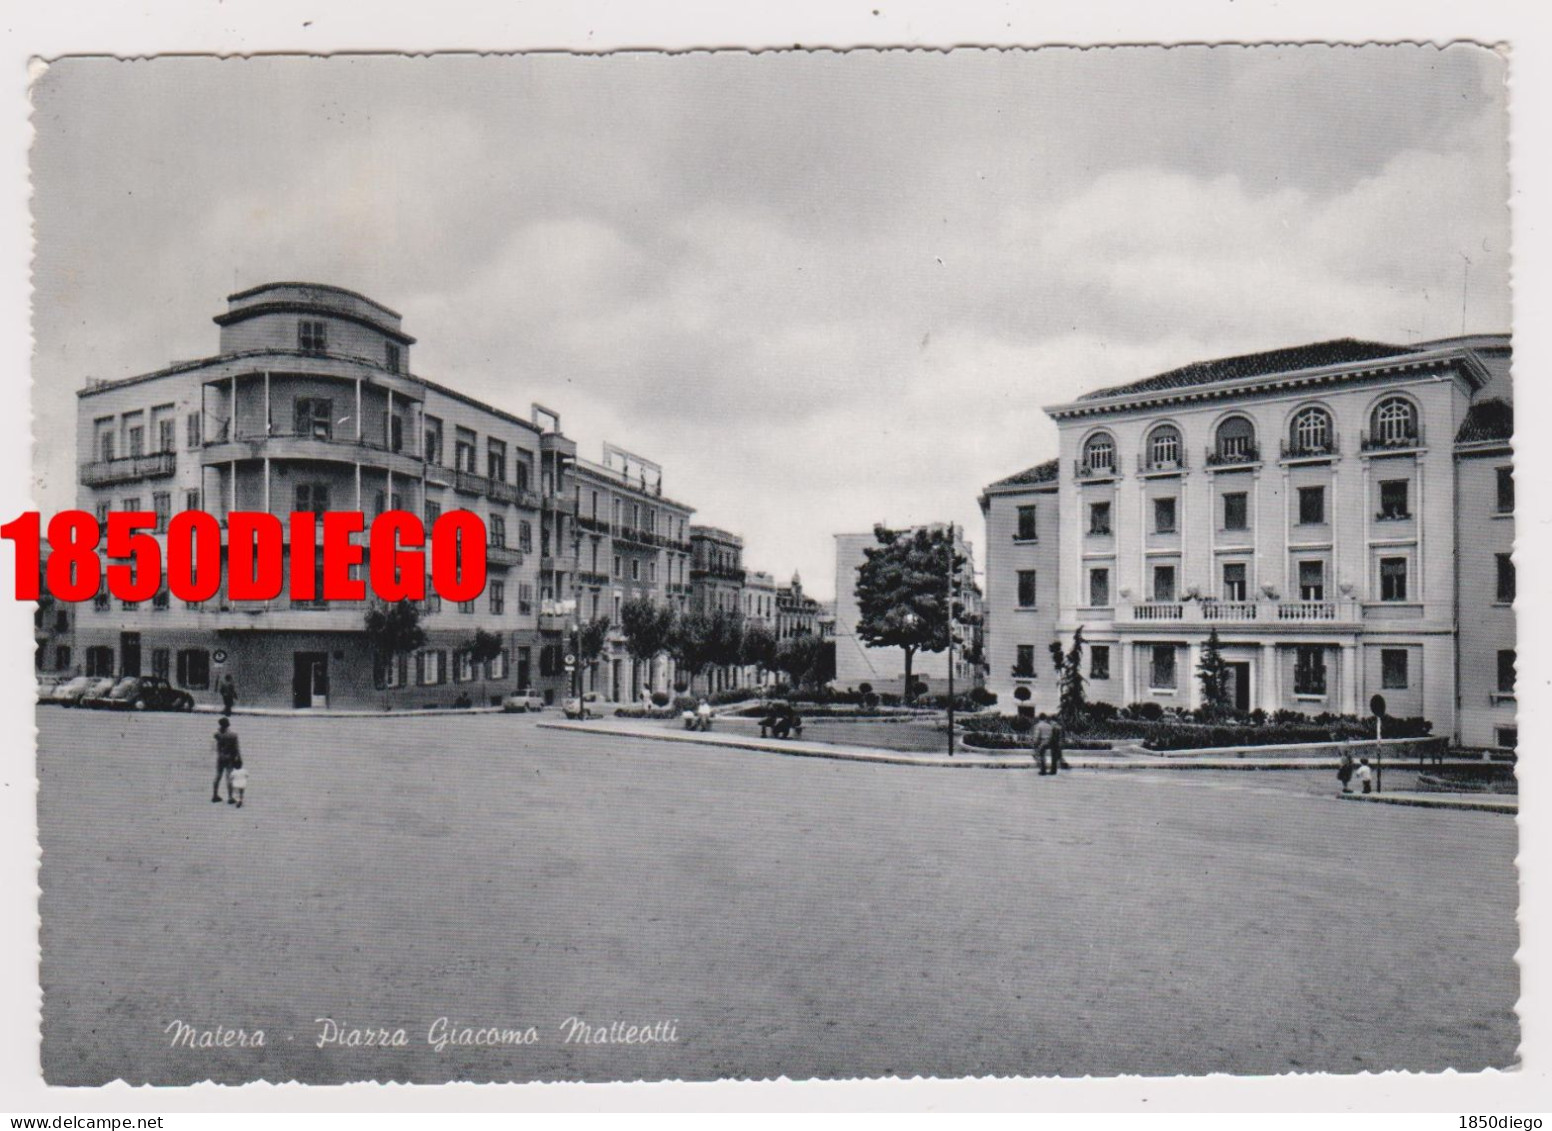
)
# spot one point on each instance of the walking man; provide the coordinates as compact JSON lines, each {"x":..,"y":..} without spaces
{"x":228,"y":691}
{"x":228,"y":758}
{"x":1054,"y":745}
{"x":1040,"y":738}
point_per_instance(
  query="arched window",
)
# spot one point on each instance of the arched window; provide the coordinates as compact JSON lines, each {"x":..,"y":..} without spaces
{"x":1395,"y":421}
{"x":1236,"y":440}
{"x":1311,"y":432}
{"x":1099,"y":453}
{"x":1164,"y":446}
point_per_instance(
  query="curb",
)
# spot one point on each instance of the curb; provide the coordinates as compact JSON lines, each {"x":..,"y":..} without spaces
{"x":308,"y":712}
{"x":1439,"y":801}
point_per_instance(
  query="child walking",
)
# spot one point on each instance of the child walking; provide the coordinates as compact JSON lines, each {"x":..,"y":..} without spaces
{"x":239,"y":782}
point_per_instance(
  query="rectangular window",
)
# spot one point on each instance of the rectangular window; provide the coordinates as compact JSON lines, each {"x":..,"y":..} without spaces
{"x":312,"y":498}
{"x":1099,"y":661}
{"x":391,"y":356}
{"x":430,"y":668}
{"x":1506,"y":671}
{"x":1312,"y":581}
{"x":1505,"y":490}
{"x":433,"y":512}
{"x":1099,"y":587}
{"x":525,"y":536}
{"x":496,"y":530}
{"x":161,"y":507}
{"x":498,"y":597}
{"x":62,"y":658}
{"x":496,"y":459}
{"x":1161,"y":669}
{"x":463,"y":666}
{"x":1312,"y":506}
{"x":194,"y":430}
{"x":159,"y":600}
{"x":1099,"y":518}
{"x":315,"y":418}
{"x":191,"y":499}
{"x":135,"y":439}
{"x":433,"y":440}
{"x":312,"y":337}
{"x":131,"y":504}
{"x":1393,"y":668}
{"x":194,"y":668}
{"x":1236,"y":510}
{"x":1393,"y":579}
{"x":1508,"y":737}
{"x":167,"y":435}
{"x":635,"y":569}
{"x":1026,"y":524}
{"x":1309,"y":670}
{"x":1393,"y":499}
{"x":619,"y":566}
{"x":465,"y":606}
{"x":161,"y":662}
{"x":1506,"y":583}
{"x":496,"y":666}
{"x":1026,"y":588}
{"x":1164,"y":583}
{"x":525,"y":597}
{"x":1164,"y":516}
{"x":102,"y":514}
{"x":1024,"y":665}
{"x":105,"y":446}
{"x":1234,"y":581}
{"x":464,"y":453}
{"x":99,"y":661}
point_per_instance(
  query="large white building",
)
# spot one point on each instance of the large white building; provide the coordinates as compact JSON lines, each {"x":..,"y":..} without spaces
{"x":1341,"y":514}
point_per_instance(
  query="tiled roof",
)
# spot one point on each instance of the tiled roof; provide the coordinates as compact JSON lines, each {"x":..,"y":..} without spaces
{"x":1338,"y":352}
{"x":1040,"y":473}
{"x":1491,"y":418}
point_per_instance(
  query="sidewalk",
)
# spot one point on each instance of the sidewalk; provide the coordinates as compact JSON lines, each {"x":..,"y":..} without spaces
{"x":1484,"y":802}
{"x":336,"y":713}
{"x":1129,"y":758}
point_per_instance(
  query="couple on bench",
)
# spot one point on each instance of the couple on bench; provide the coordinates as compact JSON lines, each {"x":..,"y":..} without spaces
{"x":782,"y":722}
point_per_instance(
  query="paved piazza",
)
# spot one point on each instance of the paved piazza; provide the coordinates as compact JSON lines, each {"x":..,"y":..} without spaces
{"x":786,"y":916}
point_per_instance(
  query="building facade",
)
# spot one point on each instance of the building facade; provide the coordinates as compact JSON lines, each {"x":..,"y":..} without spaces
{"x":1329,"y":510}
{"x":310,"y":405}
{"x":1023,"y":536}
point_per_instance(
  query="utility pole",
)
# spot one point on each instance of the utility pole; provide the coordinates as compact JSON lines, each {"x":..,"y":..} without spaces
{"x":953,"y":572}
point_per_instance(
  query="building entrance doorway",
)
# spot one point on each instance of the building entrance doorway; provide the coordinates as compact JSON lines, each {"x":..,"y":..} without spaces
{"x":129,"y":653}
{"x":1239,"y":685}
{"x":310,"y":680}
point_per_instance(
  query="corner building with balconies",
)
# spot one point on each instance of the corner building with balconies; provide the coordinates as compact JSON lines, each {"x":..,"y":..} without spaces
{"x":1341,"y":514}
{"x":310,"y":405}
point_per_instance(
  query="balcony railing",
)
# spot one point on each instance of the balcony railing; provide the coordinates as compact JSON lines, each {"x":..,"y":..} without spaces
{"x":502,"y":556}
{"x":1410,"y":442}
{"x":1210,"y":612}
{"x":321,"y":435}
{"x":1147,"y":465}
{"x":635,"y":535}
{"x":596,"y":525}
{"x":593,"y":578}
{"x":127,"y":469}
{"x":719,"y":572}
{"x":1081,"y":470}
{"x":1292,"y":450}
{"x":561,"y":504}
{"x":1236,"y":457}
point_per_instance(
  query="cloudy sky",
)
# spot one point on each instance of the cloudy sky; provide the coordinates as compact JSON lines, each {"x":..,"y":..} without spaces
{"x":822,"y":290}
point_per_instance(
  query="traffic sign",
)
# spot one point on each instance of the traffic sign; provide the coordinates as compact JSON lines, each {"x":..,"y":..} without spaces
{"x":1377,"y":706}
{"x":570,"y":660}
{"x":219,"y":655}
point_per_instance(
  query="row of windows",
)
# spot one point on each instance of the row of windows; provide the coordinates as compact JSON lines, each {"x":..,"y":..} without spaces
{"x":1393,"y":578}
{"x":1311,"y":432}
{"x":431,"y":667}
{"x":312,"y":338}
{"x":192,"y":672}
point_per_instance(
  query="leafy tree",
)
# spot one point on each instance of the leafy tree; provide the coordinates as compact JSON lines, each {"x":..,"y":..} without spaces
{"x":903,"y":592}
{"x":483,"y":647}
{"x":759,"y":650}
{"x":1069,"y":679}
{"x":691,"y":645}
{"x":648,"y":629}
{"x":1213,"y":674}
{"x":591,"y":641}
{"x":393,"y":631}
{"x":798,"y":656}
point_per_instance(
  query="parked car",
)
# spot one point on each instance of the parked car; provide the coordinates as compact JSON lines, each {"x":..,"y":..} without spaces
{"x":523,"y":701}
{"x":590,"y":706}
{"x":144,"y":693}
{"x":48,"y":684}
{"x":74,"y":692}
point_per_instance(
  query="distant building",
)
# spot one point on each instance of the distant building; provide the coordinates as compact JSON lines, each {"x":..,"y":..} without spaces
{"x":1021,"y":604}
{"x":717,"y":585}
{"x":857,"y":662}
{"x":797,"y":614}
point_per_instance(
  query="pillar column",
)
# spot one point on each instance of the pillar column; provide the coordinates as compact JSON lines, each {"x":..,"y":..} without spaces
{"x":1268,"y":679}
{"x":1349,"y":677}
{"x":1193,"y":685}
{"x":1128,"y":689}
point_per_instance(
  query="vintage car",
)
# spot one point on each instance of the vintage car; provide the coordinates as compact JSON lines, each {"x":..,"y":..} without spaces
{"x":72,"y":692}
{"x":143,"y":693}
{"x":523,"y":701}
{"x":590,"y":706}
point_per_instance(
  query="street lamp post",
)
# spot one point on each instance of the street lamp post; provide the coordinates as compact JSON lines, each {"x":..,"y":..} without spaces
{"x":950,"y":580}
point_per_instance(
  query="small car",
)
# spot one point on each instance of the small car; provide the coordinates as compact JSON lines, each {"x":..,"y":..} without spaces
{"x":48,"y":684}
{"x":523,"y":701}
{"x":145,"y":693}
{"x":76,"y":691}
{"x":587,"y":707}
